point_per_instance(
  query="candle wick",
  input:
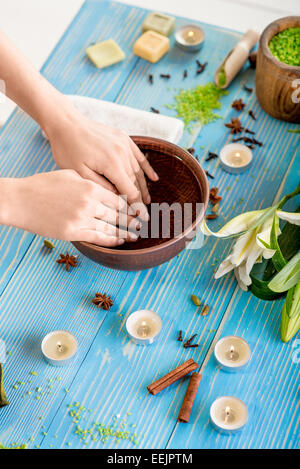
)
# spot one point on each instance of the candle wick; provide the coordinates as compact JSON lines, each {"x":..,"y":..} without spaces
{"x":231,"y":351}
{"x":59,"y":347}
{"x":227,"y":412}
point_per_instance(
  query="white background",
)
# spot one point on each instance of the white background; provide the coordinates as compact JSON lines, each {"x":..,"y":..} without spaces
{"x":35,"y":26}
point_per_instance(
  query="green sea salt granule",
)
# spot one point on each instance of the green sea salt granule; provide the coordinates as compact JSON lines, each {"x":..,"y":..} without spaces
{"x":285,"y":46}
{"x":197,"y":104}
{"x":222,"y":77}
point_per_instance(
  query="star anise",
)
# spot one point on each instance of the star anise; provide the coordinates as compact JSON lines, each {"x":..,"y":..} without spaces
{"x":238,"y":105}
{"x":235,"y":126}
{"x":103,"y":301}
{"x":68,"y":260}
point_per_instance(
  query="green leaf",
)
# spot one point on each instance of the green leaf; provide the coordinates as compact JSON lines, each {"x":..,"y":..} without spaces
{"x":294,"y":131}
{"x":290,"y":317}
{"x":293,"y":301}
{"x":289,"y":242}
{"x":288,"y":276}
{"x":278,"y":260}
{"x":3,"y":399}
{"x":260,"y":289}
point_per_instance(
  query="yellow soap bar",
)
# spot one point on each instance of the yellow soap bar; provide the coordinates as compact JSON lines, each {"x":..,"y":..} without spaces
{"x":105,"y":53}
{"x":151,"y":46}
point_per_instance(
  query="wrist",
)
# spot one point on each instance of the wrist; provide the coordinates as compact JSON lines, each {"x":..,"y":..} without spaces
{"x":61,"y":115}
{"x":10,"y":199}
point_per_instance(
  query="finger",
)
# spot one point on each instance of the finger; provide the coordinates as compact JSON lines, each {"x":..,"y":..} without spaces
{"x":144,"y":163}
{"x":116,"y":218}
{"x":87,"y":173}
{"x":140,"y":178}
{"x":109,"y":230}
{"x":94,"y":237}
{"x":113,"y":200}
{"x":126,"y":186}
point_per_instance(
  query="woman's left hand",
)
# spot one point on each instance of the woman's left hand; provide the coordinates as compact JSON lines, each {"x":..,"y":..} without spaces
{"x":104,"y":155}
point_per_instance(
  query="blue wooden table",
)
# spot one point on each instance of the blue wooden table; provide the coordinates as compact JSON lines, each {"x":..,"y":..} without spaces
{"x":105,"y":387}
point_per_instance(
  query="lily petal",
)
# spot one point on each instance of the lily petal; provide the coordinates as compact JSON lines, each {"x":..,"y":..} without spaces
{"x":237,"y":225}
{"x":241,"y":284}
{"x":225,"y":267}
{"x":243,"y":247}
{"x":291,"y":217}
{"x":264,"y":235}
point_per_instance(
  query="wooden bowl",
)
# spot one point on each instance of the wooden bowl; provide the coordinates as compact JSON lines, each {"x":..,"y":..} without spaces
{"x":181,"y":180}
{"x":275,"y":80}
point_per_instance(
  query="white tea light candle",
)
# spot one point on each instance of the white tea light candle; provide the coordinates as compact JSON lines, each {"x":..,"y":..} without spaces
{"x":190,"y":37}
{"x":235,"y":157}
{"x":228,"y":414}
{"x":59,"y":347}
{"x":143,"y":326}
{"x":232,"y":353}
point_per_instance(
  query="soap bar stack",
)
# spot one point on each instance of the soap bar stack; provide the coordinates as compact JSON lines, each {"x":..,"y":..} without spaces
{"x":154,"y":43}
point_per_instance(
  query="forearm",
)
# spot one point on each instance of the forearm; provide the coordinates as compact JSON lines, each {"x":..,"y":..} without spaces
{"x":30,"y":90}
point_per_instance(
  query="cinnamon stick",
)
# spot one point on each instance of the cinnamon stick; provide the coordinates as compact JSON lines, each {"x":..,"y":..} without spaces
{"x":172,"y":376}
{"x":188,"y":401}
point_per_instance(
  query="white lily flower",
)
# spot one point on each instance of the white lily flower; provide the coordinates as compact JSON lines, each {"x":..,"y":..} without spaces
{"x":291,"y":217}
{"x":250,"y":247}
{"x":236,"y":225}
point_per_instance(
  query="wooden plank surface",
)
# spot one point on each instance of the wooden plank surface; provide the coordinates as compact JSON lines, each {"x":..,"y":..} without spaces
{"x":110,"y":374}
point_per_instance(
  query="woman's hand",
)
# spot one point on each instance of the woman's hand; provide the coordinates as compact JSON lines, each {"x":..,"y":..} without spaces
{"x":103,"y":154}
{"x":63,"y":205}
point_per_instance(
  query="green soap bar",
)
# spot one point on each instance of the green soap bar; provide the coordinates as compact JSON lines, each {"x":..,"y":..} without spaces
{"x":105,"y":53}
{"x":159,"y":22}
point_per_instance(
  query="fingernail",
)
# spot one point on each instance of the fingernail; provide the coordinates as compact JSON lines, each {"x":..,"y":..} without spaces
{"x":156,"y":176}
{"x":133,"y":236}
{"x":121,"y":241}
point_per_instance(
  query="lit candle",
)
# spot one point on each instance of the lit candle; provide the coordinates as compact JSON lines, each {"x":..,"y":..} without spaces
{"x":143,"y":326}
{"x":228,"y":414}
{"x":232,"y":353}
{"x":235,"y":157}
{"x":190,"y":37}
{"x":59,"y":347}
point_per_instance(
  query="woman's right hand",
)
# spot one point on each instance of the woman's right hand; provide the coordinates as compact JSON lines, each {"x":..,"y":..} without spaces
{"x":63,"y":205}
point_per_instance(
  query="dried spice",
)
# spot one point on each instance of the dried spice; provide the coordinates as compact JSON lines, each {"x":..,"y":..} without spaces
{"x":68,"y":260}
{"x":165,"y":75}
{"x":196,"y":300}
{"x":238,"y":105}
{"x":235,"y":126}
{"x":251,"y":114}
{"x":189,"y":341}
{"x":211,"y":216}
{"x":197,"y":104}
{"x":249,"y":131}
{"x":189,"y":398}
{"x":48,"y":244}
{"x":180,"y":336}
{"x":156,"y":111}
{"x":211,"y":156}
{"x":150,"y":78}
{"x":205,"y":310}
{"x":285,"y":46}
{"x":191,"y":150}
{"x":103,"y":301}
{"x":209,"y":175}
{"x":248,"y":89}
{"x":214,"y":198}
{"x":172,"y":376}
{"x":185,"y":73}
{"x":201,"y":67}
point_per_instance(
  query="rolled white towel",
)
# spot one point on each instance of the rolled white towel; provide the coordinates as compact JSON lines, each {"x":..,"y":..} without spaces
{"x":130,"y":120}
